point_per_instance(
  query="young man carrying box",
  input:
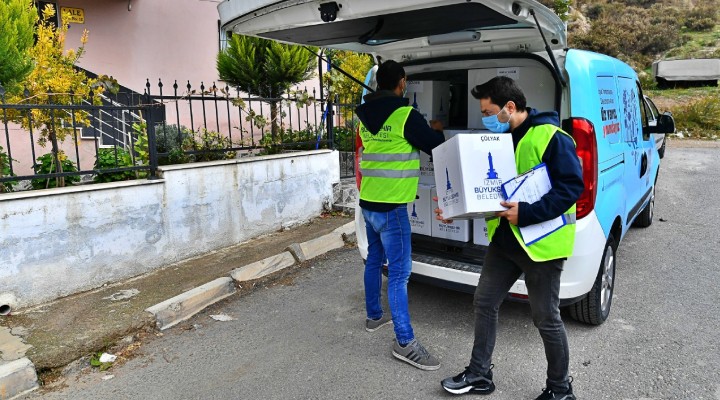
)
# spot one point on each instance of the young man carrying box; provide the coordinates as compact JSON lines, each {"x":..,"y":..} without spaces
{"x":392,"y":133}
{"x":537,"y":139}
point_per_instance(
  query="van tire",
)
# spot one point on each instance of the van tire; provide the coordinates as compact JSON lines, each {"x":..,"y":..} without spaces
{"x":645,"y":218}
{"x":594,"y":309}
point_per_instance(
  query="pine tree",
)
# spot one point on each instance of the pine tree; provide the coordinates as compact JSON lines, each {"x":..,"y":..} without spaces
{"x":17,"y":21}
{"x":264,"y":68}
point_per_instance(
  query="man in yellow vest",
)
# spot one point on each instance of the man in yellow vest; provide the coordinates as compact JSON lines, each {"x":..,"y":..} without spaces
{"x":537,"y":138}
{"x":392,"y":133}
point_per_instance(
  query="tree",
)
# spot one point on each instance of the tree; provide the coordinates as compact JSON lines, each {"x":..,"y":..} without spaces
{"x":355,"y":64}
{"x":54,"y":80}
{"x":17,"y":20}
{"x":265,"y":68}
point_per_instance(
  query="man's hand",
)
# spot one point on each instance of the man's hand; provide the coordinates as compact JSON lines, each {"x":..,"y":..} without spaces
{"x":438,"y":214}
{"x":436,"y":125}
{"x":511,"y":213}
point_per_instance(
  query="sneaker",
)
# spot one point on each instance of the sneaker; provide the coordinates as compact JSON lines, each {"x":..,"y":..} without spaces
{"x":468,"y":382}
{"x":416,"y":355}
{"x":548,"y":394}
{"x":371,"y":325}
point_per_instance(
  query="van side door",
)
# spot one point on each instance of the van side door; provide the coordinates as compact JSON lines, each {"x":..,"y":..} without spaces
{"x":636,"y":146}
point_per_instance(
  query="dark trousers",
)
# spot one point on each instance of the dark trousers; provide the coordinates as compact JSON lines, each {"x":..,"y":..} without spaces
{"x":499,"y":273}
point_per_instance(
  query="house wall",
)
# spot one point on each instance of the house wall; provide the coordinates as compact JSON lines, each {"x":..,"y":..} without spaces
{"x":63,"y":241}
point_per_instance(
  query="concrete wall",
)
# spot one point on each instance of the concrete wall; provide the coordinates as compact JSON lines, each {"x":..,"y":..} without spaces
{"x":58,"y":242}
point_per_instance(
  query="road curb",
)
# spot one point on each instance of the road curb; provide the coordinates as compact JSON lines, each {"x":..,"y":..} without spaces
{"x":181,"y":307}
{"x":312,"y":248}
{"x":263,"y":267}
{"x":17,"y":378}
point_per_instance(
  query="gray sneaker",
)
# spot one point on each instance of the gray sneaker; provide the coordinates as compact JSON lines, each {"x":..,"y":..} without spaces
{"x":371,"y":325}
{"x":416,"y":355}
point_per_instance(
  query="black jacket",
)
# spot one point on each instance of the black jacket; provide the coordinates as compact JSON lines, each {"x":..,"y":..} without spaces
{"x":375,"y":111}
{"x":565,"y":173}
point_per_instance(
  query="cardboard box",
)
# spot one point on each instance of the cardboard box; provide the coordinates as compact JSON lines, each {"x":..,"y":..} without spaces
{"x":431,"y":98}
{"x":420,"y":211}
{"x":427,"y":170}
{"x":458,"y":230}
{"x":449,"y":133}
{"x":469,"y":169}
{"x":480,"y":232}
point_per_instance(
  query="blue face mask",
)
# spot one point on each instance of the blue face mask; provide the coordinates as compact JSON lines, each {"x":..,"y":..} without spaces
{"x":494,"y":125}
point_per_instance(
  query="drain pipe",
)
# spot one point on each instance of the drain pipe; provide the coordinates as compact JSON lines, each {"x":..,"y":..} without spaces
{"x":7,"y":302}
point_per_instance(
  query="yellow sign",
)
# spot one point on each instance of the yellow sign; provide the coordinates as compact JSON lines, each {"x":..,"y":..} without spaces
{"x":73,"y":15}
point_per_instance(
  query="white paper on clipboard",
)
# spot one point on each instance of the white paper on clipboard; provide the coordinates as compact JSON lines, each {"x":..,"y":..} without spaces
{"x":529,"y":188}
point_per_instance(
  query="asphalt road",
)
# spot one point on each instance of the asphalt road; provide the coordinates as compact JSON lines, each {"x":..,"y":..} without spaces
{"x":305,"y":339}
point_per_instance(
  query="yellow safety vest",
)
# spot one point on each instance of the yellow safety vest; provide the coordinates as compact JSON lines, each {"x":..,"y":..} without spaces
{"x":528,"y":154}
{"x":390,"y":166}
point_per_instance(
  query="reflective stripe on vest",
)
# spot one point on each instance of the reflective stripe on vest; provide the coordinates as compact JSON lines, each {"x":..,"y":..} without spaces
{"x":528,"y":154}
{"x":390,"y":166}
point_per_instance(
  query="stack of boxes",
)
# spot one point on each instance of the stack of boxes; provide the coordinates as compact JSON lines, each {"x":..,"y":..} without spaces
{"x":471,"y":166}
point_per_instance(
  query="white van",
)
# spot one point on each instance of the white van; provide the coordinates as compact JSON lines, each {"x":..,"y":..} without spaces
{"x":462,"y":43}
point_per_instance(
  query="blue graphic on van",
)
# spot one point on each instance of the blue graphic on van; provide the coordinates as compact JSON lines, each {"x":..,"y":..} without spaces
{"x":630,"y":102}
{"x":441,"y":104}
{"x":415,"y":104}
{"x":492,"y":174}
{"x":414,"y":213}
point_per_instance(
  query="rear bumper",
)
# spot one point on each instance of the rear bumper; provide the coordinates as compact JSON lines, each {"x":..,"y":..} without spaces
{"x":579,"y":271}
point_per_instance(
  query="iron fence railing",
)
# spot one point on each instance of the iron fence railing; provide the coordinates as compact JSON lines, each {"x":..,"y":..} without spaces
{"x":126,"y":135}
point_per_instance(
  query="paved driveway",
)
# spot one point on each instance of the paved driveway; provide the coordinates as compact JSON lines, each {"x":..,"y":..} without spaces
{"x":304,"y":339}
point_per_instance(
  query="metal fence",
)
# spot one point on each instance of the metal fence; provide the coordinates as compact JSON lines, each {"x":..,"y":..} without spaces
{"x":127,"y":135}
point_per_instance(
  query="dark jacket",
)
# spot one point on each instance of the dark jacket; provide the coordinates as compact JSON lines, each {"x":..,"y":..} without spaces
{"x":375,"y":111}
{"x":565,"y":174}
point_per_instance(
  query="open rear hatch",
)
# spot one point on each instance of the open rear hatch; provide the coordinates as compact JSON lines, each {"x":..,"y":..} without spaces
{"x":400,"y":29}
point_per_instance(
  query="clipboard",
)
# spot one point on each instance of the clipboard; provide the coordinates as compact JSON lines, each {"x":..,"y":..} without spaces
{"x":529,"y":187}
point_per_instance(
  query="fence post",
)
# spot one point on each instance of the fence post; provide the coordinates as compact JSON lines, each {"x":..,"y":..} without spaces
{"x":152,"y":143}
{"x":330,"y":123}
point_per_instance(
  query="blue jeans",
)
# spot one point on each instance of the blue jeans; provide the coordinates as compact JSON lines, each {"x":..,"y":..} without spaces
{"x":388,"y":235}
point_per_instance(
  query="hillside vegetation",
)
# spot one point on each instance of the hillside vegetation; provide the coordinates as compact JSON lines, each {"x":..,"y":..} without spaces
{"x":640,"y":32}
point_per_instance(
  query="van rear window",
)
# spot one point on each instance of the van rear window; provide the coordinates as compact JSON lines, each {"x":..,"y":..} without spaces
{"x":381,"y":29}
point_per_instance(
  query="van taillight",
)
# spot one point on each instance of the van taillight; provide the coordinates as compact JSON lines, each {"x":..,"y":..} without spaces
{"x":358,"y":152}
{"x":583,"y":132}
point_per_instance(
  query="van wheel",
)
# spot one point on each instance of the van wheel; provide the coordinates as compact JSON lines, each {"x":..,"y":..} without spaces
{"x":594,"y":309}
{"x":645,"y":218}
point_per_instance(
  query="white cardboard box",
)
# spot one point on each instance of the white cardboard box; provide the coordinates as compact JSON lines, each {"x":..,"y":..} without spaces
{"x":469,"y":169}
{"x":420,"y":211}
{"x":427,"y":170}
{"x":480,"y":232}
{"x":431,"y":98}
{"x":457,"y":230}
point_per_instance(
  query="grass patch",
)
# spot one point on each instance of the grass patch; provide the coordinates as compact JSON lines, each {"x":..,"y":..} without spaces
{"x":699,"y":118}
{"x":697,"y":45}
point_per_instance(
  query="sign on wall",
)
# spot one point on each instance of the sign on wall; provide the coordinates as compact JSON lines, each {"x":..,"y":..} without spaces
{"x":74,"y":15}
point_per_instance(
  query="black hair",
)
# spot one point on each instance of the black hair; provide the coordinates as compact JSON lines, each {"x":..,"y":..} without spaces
{"x":389,"y":74}
{"x":500,"y":90}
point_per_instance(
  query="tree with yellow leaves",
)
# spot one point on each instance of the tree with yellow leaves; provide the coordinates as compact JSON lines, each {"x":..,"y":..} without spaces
{"x":55,"y":81}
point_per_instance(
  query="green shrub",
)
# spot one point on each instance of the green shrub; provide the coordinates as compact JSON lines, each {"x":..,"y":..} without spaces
{"x":169,"y":139}
{"x":46,"y":165}
{"x":209,"y":144}
{"x":5,"y":172}
{"x":699,"y":118}
{"x":113,"y":158}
